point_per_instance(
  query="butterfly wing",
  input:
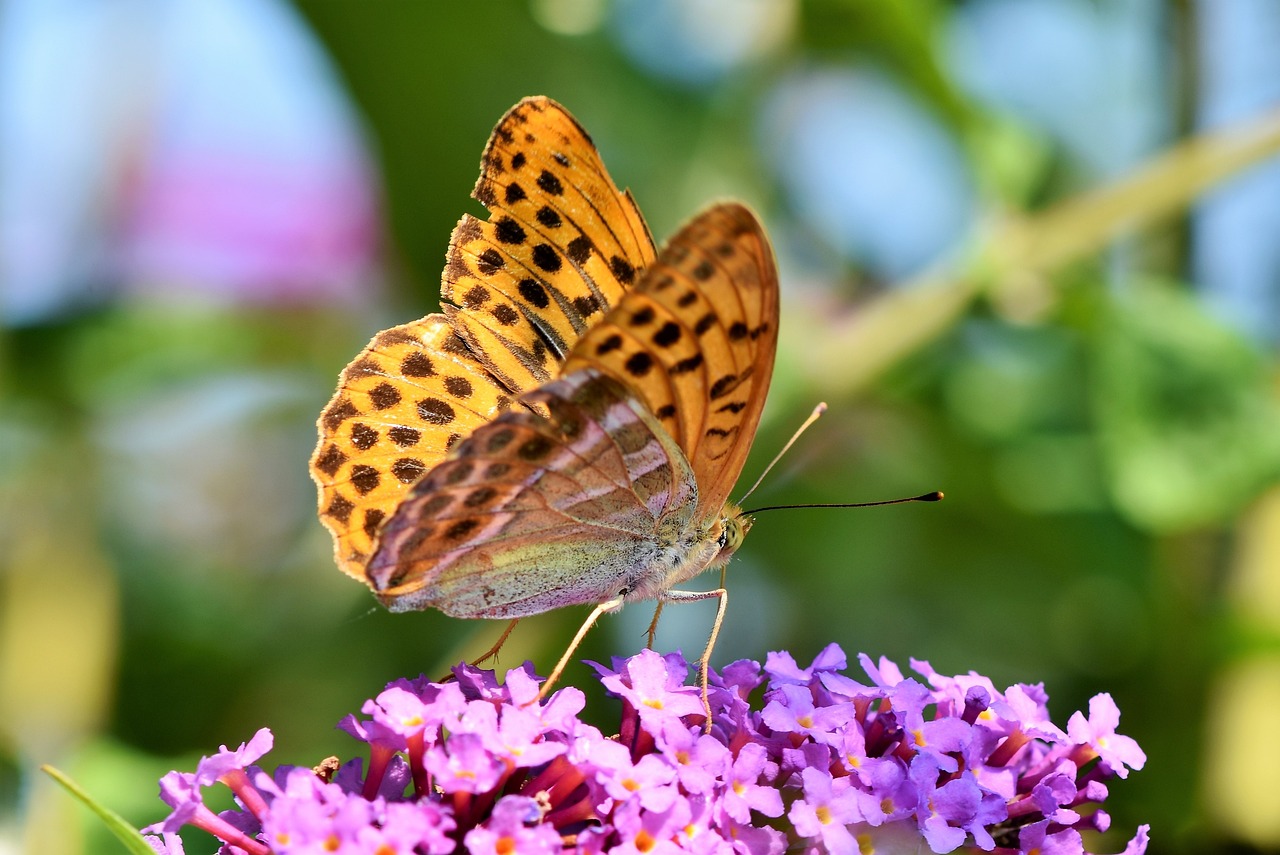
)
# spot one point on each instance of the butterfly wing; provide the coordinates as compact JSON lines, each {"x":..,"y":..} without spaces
{"x":695,"y":340}
{"x":533,"y":513}
{"x":561,"y":246}
{"x":413,"y":393}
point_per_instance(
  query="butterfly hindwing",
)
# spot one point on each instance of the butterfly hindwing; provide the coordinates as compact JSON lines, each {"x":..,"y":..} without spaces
{"x":533,"y":513}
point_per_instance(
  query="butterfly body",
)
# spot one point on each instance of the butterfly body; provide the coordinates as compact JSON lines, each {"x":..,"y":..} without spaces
{"x":591,"y":503}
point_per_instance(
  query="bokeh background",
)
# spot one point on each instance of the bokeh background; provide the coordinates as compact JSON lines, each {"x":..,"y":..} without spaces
{"x":207,"y":208}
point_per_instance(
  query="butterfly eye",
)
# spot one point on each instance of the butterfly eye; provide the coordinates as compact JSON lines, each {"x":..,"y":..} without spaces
{"x":724,"y":538}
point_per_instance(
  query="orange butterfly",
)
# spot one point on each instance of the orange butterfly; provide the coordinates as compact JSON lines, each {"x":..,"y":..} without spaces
{"x":569,"y":431}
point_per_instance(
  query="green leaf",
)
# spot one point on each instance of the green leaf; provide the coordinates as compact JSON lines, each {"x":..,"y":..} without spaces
{"x":128,"y":835}
{"x":1186,"y":413}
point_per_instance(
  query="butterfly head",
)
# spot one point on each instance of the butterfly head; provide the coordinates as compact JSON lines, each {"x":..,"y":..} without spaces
{"x":734,"y":526}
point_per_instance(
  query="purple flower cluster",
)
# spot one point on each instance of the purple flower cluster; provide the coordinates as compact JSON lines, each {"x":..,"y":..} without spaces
{"x":826,"y":763}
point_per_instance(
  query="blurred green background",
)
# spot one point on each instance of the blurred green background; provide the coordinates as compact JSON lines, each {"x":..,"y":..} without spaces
{"x":207,"y":209}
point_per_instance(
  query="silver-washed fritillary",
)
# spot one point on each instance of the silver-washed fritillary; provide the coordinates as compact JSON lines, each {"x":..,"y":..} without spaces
{"x":568,"y":430}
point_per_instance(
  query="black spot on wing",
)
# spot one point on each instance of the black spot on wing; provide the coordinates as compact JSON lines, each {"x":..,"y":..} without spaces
{"x":404,"y":437}
{"x":533,"y":292}
{"x":489,"y":262}
{"x":579,"y":249}
{"x":639,"y":364}
{"x":548,"y":217}
{"x":408,"y":469}
{"x":622,"y":270}
{"x":546,"y":258}
{"x":668,"y":335}
{"x":723,"y":386}
{"x":687,"y":364}
{"x":384,"y":395}
{"x":461,"y":528}
{"x":611,"y":343}
{"x":459,"y":387}
{"x":340,"y":412}
{"x":419,"y":364}
{"x":365,"y":479}
{"x":507,"y":230}
{"x":331,"y":460}
{"x":550,"y":184}
{"x":435,"y":411}
{"x":340,"y":509}
{"x":364,"y":437}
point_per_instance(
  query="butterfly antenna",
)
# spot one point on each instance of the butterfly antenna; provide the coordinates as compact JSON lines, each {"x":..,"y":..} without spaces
{"x":813,"y":417}
{"x":935,"y":496}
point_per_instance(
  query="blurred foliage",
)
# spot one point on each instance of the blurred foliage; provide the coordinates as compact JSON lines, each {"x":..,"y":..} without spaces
{"x":1103,"y":439}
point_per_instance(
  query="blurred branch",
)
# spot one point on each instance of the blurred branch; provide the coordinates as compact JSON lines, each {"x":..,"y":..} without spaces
{"x":1012,"y":259}
{"x":1086,"y":223}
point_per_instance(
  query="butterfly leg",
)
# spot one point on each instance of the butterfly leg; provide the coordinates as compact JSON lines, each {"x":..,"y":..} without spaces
{"x":653,"y":624}
{"x":704,"y":664}
{"x":492,"y":652}
{"x":610,"y":606}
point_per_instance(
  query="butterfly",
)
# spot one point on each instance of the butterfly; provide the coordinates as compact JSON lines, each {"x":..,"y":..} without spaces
{"x":568,"y":429}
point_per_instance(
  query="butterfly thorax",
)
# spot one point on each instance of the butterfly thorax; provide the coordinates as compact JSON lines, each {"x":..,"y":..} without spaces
{"x":691,"y":552}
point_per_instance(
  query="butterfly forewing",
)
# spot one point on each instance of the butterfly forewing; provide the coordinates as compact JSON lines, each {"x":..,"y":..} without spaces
{"x":532,"y":513}
{"x":561,"y":246}
{"x":695,"y":341}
